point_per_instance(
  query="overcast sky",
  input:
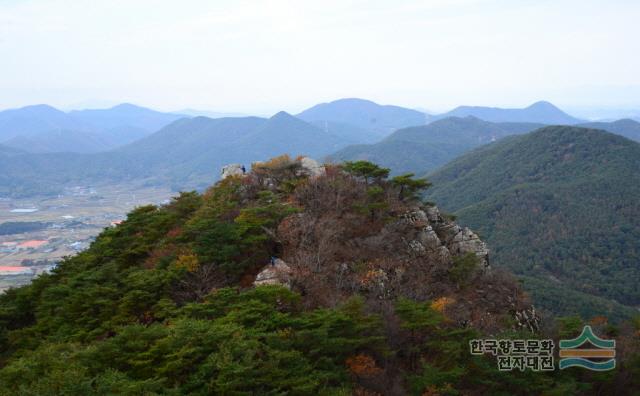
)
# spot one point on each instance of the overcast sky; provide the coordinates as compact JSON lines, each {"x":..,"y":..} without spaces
{"x":263,"y":56}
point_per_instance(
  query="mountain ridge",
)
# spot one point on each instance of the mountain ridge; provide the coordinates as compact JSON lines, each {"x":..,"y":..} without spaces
{"x":185,"y":154}
{"x":38,"y":128}
{"x":539,"y":112}
{"x":520,"y":194}
{"x":378,"y":120}
{"x":421,"y":148}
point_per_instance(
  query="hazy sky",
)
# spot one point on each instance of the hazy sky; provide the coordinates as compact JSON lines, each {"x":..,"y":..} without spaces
{"x":263,"y":56}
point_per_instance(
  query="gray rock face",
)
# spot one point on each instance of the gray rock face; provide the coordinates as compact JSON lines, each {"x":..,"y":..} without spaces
{"x":466,"y":241}
{"x":231,"y":170}
{"x":312,"y":167}
{"x":528,"y":319}
{"x":416,"y":217}
{"x":277,"y":274}
{"x":444,"y":237}
{"x":416,"y":247}
{"x":429,"y":239}
{"x":433,"y":214}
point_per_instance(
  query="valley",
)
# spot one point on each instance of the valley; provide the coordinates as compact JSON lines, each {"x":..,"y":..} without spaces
{"x":37,"y":232}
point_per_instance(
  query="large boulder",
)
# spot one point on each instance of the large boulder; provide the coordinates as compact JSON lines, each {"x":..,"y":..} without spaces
{"x":274,"y":274}
{"x":466,"y":241}
{"x":312,"y":167}
{"x":231,"y":170}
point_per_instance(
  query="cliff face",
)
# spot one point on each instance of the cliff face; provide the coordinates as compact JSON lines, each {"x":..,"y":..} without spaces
{"x":342,"y":242}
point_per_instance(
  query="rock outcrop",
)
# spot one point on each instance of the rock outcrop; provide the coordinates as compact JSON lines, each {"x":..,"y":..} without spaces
{"x":274,"y":274}
{"x":312,"y":167}
{"x":231,"y":170}
{"x":306,"y":167}
{"x":347,"y":235}
{"x":439,"y":234}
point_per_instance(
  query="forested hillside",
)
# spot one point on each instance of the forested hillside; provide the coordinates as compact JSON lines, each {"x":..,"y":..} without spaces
{"x":421,"y":148}
{"x":625,"y":127}
{"x":380,"y":296}
{"x":560,"y":207}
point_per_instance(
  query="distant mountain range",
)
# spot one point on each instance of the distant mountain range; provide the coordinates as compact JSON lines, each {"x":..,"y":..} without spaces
{"x":52,"y":148}
{"x":626,"y":127}
{"x":558,"y":206}
{"x":62,"y":140}
{"x":418,"y":149}
{"x":185,"y":154}
{"x":425,"y":148}
{"x":539,"y":112}
{"x":519,"y":191}
{"x":42,"y":128}
{"x":377,"y":121}
{"x":210,"y":114}
{"x":194,"y":150}
{"x":32,"y":120}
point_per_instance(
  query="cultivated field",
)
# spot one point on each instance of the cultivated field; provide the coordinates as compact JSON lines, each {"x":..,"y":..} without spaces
{"x":69,"y":223}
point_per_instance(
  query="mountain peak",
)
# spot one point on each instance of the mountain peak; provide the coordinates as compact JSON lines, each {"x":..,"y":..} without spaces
{"x":543,"y":104}
{"x":379,"y":120}
{"x":127,"y":107}
{"x":281,"y":115}
{"x":542,"y":112}
{"x":39,"y":109}
{"x":353,"y":101}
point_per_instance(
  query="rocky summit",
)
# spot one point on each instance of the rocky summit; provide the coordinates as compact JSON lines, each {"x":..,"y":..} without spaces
{"x":351,"y":235}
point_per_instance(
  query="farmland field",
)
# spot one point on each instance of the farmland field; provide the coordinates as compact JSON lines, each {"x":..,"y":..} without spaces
{"x":37,"y":232}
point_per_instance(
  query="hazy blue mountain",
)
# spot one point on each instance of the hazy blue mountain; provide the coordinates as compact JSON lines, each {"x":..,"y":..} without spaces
{"x":25,"y":174}
{"x":9,"y":151}
{"x":284,"y":133}
{"x":210,"y":114}
{"x":378,"y":120}
{"x":42,"y":128}
{"x":189,"y":149}
{"x":558,"y":206}
{"x":194,"y":150}
{"x":625,"y":127}
{"x":126,"y":121}
{"x":36,"y":119}
{"x":351,"y":133}
{"x":418,"y":149}
{"x":539,"y":112}
{"x":185,"y":154}
{"x":124,"y":134}
{"x":125,"y":114}
{"x":425,"y":148}
{"x":61,"y":140}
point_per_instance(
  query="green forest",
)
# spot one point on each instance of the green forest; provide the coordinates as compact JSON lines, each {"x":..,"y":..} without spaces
{"x":559,"y":207}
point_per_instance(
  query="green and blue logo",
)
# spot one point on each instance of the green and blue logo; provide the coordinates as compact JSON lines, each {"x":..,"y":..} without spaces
{"x":600,"y":357}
